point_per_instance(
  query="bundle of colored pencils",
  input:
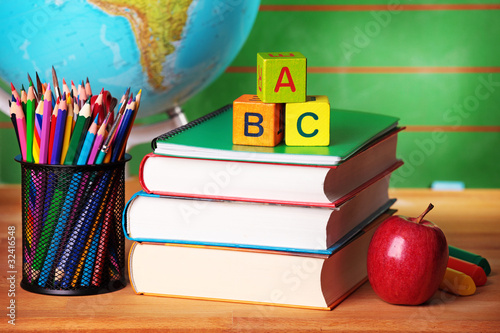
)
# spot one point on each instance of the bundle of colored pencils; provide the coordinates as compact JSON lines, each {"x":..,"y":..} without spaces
{"x":71,"y":216}
{"x":72,"y":126}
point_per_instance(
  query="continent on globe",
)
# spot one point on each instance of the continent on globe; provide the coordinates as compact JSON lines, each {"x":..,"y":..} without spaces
{"x":155,"y":26}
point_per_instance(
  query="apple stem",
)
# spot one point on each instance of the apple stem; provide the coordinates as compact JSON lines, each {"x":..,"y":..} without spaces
{"x":421,"y":217}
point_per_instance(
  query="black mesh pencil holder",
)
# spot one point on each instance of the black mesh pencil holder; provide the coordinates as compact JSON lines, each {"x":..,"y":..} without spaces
{"x":73,"y":243}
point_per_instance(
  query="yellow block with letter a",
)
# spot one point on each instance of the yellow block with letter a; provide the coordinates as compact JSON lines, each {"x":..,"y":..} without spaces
{"x":281,"y":77}
{"x":256,"y":123}
{"x":308,"y":123}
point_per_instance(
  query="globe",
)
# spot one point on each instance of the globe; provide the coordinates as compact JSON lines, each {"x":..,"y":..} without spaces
{"x":171,"y":49}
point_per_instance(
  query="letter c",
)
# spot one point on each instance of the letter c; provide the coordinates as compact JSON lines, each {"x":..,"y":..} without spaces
{"x":299,"y":125}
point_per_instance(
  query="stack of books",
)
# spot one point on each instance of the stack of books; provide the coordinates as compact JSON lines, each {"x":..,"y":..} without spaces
{"x":276,"y":225}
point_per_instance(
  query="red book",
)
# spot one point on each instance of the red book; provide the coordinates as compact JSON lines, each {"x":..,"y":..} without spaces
{"x":306,"y":185}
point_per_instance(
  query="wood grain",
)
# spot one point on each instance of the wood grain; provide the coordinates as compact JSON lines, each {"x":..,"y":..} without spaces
{"x":470,"y":220}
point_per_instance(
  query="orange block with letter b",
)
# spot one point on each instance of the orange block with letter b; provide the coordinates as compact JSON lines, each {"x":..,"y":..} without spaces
{"x":256,"y":123}
{"x":308,"y":124}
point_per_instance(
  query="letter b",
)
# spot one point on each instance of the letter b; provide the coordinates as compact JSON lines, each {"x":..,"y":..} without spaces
{"x":257,"y":124}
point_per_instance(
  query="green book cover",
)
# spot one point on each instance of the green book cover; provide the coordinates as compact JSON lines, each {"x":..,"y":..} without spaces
{"x":210,"y":137}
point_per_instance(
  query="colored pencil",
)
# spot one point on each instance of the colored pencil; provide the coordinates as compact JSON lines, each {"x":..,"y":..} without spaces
{"x":53,"y":122}
{"x":129,"y":125}
{"x":112,"y":132}
{"x":66,"y":89}
{"x":122,"y":132}
{"x":76,"y":110}
{"x":47,"y":113}
{"x":14,"y":92}
{"x":24,"y":99}
{"x":82,"y":228}
{"x":21,"y":128}
{"x":68,"y":128}
{"x":45,"y":196}
{"x":97,"y":108}
{"x":101,"y":133}
{"x":40,"y":182}
{"x":102,"y":248}
{"x":82,"y":95}
{"x":87,"y":144}
{"x":88,"y":259}
{"x":56,"y":84}
{"x":88,"y":90}
{"x":55,"y":194}
{"x":73,"y":89}
{"x":31,"y":83}
{"x":72,"y":201}
{"x":54,"y":99}
{"x":112,"y":149}
{"x":59,"y":132}
{"x":67,"y":247}
{"x":39,"y":88}
{"x":30,"y":122}
{"x":37,"y":132}
{"x":81,"y":127}
{"x":12,"y":106}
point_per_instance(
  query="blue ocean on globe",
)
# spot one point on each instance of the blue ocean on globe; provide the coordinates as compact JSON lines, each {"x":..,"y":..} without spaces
{"x":169,"y":49}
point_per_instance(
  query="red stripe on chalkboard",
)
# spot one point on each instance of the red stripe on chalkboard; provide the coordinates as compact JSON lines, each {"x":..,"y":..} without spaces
{"x":380,"y":70}
{"x":394,"y":7}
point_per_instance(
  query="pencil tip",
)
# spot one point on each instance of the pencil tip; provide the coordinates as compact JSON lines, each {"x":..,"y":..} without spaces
{"x":12,"y":87}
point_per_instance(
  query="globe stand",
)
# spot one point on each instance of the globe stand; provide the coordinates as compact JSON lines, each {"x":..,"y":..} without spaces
{"x":145,"y":133}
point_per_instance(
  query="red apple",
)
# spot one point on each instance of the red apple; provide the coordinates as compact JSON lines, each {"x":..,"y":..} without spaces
{"x":407,"y":259}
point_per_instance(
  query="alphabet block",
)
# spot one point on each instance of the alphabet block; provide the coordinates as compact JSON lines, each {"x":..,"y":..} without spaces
{"x":308,"y":124}
{"x":256,"y":123}
{"x":281,"y":77}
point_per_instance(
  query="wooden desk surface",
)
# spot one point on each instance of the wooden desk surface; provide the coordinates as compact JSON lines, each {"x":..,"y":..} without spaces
{"x":470,"y":220}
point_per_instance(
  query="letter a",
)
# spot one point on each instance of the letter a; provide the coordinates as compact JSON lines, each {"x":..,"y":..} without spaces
{"x":280,"y":83}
